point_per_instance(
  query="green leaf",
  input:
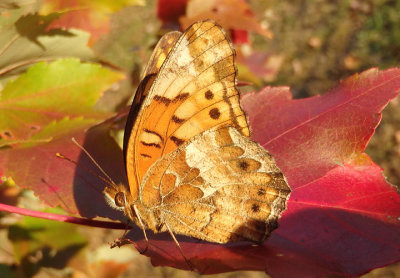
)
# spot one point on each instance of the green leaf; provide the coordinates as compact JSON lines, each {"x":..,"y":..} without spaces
{"x":58,"y":129}
{"x":46,"y":240}
{"x":51,"y":92}
{"x":5,"y":271}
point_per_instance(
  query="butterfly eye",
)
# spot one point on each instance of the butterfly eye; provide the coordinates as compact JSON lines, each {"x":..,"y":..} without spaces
{"x":120,"y":199}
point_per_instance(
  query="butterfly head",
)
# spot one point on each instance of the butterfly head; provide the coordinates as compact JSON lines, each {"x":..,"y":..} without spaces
{"x":119,"y":198}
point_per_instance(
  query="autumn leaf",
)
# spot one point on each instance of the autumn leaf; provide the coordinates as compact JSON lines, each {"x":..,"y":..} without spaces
{"x":170,"y":11}
{"x":188,"y":12}
{"x":25,"y":40}
{"x":41,"y":243}
{"x":40,"y":112}
{"x":223,"y":12}
{"x":341,"y":212}
{"x":91,"y":16}
{"x":48,"y":92}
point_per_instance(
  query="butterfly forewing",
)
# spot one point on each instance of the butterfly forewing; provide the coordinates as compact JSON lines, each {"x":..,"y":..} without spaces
{"x":160,"y":53}
{"x":193,"y":91}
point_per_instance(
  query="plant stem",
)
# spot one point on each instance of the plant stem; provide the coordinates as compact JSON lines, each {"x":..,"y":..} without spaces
{"x":65,"y":218}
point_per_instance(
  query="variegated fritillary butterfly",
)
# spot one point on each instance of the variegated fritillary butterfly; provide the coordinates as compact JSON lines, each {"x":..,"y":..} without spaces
{"x":191,"y":167}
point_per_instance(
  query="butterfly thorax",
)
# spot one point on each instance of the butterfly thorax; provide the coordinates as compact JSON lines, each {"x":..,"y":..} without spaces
{"x":119,"y":197}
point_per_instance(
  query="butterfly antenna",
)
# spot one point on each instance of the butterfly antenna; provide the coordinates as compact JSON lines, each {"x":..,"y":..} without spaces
{"x":93,"y":161}
{"x":85,"y":168}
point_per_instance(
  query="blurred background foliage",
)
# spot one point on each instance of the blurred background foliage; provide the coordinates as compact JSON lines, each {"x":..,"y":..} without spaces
{"x":322,"y":42}
{"x":315,"y":44}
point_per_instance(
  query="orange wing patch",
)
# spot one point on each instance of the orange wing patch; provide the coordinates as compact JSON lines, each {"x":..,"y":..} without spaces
{"x":161,"y":50}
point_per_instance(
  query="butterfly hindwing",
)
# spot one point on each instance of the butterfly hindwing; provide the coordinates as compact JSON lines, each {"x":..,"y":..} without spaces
{"x":237,"y":193}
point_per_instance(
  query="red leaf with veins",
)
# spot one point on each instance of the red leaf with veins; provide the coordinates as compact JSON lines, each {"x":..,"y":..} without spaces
{"x":57,"y":182}
{"x":342,"y":219}
{"x":309,"y":137}
{"x":341,"y":213}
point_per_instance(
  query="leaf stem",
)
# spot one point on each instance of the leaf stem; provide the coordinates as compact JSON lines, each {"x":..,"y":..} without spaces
{"x":23,"y":63}
{"x":9,"y":44}
{"x":64,"y":218}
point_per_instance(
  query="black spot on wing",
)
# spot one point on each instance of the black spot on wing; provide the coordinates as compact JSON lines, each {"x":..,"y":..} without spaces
{"x":208,"y":95}
{"x":255,"y":208}
{"x":158,"y":146}
{"x":153,"y":132}
{"x":177,"y":120}
{"x":162,"y":99}
{"x":243,"y":165}
{"x":181,"y":97}
{"x":177,"y":141}
{"x":214,"y":113}
{"x":261,"y":192}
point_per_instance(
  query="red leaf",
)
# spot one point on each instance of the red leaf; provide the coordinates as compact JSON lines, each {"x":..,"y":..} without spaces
{"x":91,"y":16}
{"x":321,"y":132}
{"x":184,"y":12}
{"x":240,"y":36}
{"x":84,"y":19}
{"x":169,"y":11}
{"x":58,"y":182}
{"x":338,"y":224}
{"x":230,"y":14}
{"x":341,"y":213}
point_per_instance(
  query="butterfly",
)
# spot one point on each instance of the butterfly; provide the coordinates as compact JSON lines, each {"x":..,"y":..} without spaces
{"x":191,"y":166}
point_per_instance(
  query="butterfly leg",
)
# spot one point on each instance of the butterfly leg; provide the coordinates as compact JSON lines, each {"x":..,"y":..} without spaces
{"x":179,"y":247}
{"x":122,"y":240}
{"x":143,"y":229}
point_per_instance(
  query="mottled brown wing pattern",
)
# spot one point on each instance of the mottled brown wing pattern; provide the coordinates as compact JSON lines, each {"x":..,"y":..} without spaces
{"x":193,"y":92}
{"x":219,"y":186}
